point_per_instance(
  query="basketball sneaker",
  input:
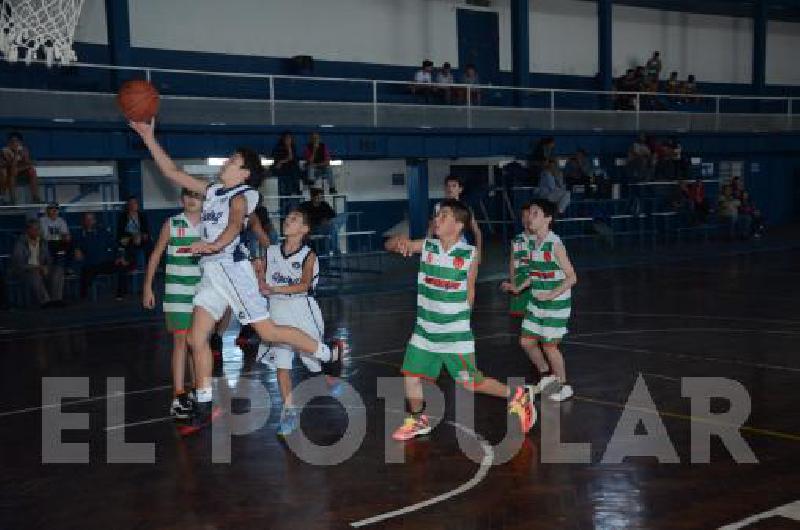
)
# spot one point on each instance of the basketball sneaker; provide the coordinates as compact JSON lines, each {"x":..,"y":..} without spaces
{"x":412,"y":427}
{"x":339,"y":349}
{"x":202,"y":416}
{"x":522,"y":406}
{"x":544,"y":382}
{"x":563,"y":394}
{"x":290,"y":421}
{"x":182,"y":406}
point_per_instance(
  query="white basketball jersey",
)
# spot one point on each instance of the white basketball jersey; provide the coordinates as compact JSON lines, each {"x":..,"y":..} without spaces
{"x":216,"y":209}
{"x":285,"y":269}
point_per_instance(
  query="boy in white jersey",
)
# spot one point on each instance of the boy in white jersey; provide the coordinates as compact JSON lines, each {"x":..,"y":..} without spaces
{"x":550,"y":278}
{"x":292,"y":273}
{"x":442,"y":332}
{"x":228,"y":278}
{"x":182,"y":276}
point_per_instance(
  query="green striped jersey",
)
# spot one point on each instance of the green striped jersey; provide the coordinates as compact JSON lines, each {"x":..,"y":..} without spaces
{"x":443,"y":312}
{"x":183,"y":270}
{"x":543,"y":268}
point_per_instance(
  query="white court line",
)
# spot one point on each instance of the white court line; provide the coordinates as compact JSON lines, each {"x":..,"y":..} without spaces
{"x":790,"y":511}
{"x":697,"y":317}
{"x":661,"y":376}
{"x":483,"y":470}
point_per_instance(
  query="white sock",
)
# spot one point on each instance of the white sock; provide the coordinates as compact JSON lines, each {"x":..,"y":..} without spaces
{"x":323,"y":353}
{"x":204,"y":395}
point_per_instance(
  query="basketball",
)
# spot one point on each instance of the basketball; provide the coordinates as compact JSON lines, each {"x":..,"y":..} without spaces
{"x":138,"y":100}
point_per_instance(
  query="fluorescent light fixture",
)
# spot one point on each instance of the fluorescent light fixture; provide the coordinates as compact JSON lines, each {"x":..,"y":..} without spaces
{"x":696,"y":160}
{"x":217,"y":161}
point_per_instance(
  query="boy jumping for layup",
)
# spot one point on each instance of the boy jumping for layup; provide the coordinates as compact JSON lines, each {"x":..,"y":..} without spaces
{"x":550,"y":279}
{"x":442,"y":333}
{"x":228,"y":279}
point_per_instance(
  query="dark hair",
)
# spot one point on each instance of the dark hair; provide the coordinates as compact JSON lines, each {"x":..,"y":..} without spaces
{"x":426,"y":63}
{"x":548,"y":208}
{"x":251,"y":161}
{"x":459,"y":209}
{"x":454,"y":178}
{"x":32,"y":222}
{"x":131,"y":197}
{"x":315,"y":192}
{"x":470,"y":65}
{"x":446,"y":65}
{"x":525,"y":206}
{"x":15,"y":135}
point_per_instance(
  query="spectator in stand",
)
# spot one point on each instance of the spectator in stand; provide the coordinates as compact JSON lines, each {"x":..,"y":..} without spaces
{"x":626,"y":83}
{"x":470,"y":77}
{"x":16,"y":162}
{"x":286,"y":168}
{"x":728,"y":210}
{"x":688,"y":88}
{"x":639,"y":79}
{"x":423,"y":80}
{"x":552,"y":186}
{"x":97,"y":252}
{"x":30,"y":263}
{"x":56,"y":233}
{"x":318,"y":163}
{"x":681,"y":200}
{"x":653,"y":67}
{"x":673,"y":85}
{"x":541,"y":154}
{"x":640,"y":158}
{"x":445,"y":77}
{"x":737,"y":189}
{"x":578,"y":170}
{"x":752,"y":221}
{"x":133,"y":233}
{"x":323,"y":219}
{"x":699,"y":204}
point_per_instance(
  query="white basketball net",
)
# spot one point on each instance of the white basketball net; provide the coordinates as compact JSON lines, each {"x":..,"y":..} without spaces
{"x":29,"y":28}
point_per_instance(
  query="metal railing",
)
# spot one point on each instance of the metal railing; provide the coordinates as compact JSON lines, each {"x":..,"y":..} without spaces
{"x":211,"y":98}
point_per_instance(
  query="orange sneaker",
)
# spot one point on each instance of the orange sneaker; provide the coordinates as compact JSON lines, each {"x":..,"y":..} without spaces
{"x":523,"y":407}
{"x":412,"y":427}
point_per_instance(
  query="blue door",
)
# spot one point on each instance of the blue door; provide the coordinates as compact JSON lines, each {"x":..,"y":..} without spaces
{"x":479,"y":43}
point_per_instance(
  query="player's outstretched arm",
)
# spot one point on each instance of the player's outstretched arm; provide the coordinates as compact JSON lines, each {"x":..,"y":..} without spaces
{"x":163,"y":160}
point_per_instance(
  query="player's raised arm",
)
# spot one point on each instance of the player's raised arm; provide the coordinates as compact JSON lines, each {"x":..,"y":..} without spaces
{"x":404,"y":246}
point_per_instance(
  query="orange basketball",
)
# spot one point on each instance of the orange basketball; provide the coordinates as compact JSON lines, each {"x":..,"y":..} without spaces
{"x":138,"y":100}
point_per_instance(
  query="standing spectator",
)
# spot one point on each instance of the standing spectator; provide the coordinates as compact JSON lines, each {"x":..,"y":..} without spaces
{"x":737,"y":190}
{"x":728,"y":210}
{"x":323,"y":219}
{"x":318,"y":163}
{"x":578,"y":171}
{"x":97,"y":252}
{"x":30,"y":262}
{"x":699,"y":204}
{"x":470,"y":77}
{"x":56,"y":233}
{"x":15,"y":162}
{"x":423,"y":80}
{"x":286,"y":168}
{"x":653,"y":66}
{"x":639,"y":165}
{"x":133,"y":233}
{"x":552,"y":187}
{"x":752,"y":224}
{"x":444,"y":78}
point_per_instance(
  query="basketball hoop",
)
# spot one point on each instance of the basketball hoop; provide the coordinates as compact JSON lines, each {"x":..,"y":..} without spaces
{"x":29,"y":28}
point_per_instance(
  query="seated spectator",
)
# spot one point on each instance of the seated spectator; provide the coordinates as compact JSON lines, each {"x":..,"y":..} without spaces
{"x":133,"y":233}
{"x":651,"y":102}
{"x":445,"y":77}
{"x":423,"y":80}
{"x":469,"y":77}
{"x":640,"y":160}
{"x":699,"y":204}
{"x":752,"y":222}
{"x":56,"y":233}
{"x":653,"y":67}
{"x":552,"y":187}
{"x":578,"y":171}
{"x":673,"y":85}
{"x":688,"y":88}
{"x":30,"y":264}
{"x":15,"y":163}
{"x":626,"y":83}
{"x":318,"y":163}
{"x":286,"y":168}
{"x":97,"y":252}
{"x":681,"y":200}
{"x":541,"y":153}
{"x":639,"y":79}
{"x":737,"y":189}
{"x":728,"y":210}
{"x":323,"y":219}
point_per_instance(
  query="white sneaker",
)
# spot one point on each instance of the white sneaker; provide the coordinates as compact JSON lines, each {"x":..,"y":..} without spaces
{"x":563,"y":394}
{"x":546,"y":381}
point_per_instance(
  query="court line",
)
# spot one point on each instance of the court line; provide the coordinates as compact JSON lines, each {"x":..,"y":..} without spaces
{"x":697,"y":317}
{"x":483,"y":470}
{"x":789,"y":511}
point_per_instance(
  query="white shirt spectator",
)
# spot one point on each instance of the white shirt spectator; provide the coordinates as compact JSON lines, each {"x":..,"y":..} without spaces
{"x":445,"y":78}
{"x":54,"y":229}
{"x":33,"y":260}
{"x":423,"y":77}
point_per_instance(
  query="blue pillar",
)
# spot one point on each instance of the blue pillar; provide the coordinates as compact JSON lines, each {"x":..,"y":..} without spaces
{"x":605,"y":67}
{"x":417,"y":183}
{"x":759,"y":45}
{"x":119,"y":38}
{"x":520,"y":47}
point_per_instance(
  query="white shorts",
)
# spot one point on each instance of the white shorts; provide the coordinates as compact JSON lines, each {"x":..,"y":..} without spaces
{"x":301,"y":312}
{"x":234,"y":284}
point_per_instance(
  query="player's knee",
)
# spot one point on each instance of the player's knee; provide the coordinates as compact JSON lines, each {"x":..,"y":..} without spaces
{"x":550,"y":347}
{"x":528,"y":343}
{"x":267,"y":330}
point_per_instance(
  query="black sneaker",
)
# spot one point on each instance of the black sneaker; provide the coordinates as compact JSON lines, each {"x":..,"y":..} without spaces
{"x":203,"y":414}
{"x":339,"y":349}
{"x":182,"y":406}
